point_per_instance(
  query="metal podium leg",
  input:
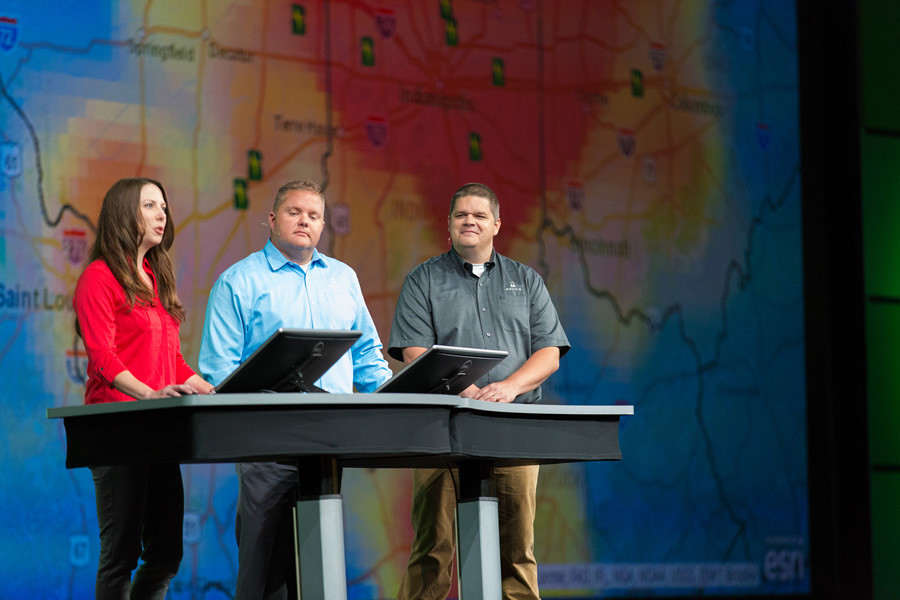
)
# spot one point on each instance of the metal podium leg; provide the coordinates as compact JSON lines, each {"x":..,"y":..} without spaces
{"x":319,"y":528}
{"x":478,"y":534}
{"x":319,"y":531}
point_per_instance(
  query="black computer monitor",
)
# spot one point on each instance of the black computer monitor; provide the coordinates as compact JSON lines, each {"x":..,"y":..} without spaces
{"x":291,"y":360}
{"x":443,"y":370}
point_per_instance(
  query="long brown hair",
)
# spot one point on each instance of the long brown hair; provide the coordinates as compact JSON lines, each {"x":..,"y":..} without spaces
{"x":120,"y":230}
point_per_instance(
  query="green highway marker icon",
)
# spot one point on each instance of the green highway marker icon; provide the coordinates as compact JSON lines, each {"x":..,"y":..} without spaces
{"x":452,"y":35}
{"x":637,"y":83}
{"x":298,"y":19}
{"x":446,"y":10}
{"x":449,"y":22}
{"x":254,"y":165}
{"x":240,"y":194}
{"x":474,"y":146}
{"x":499,"y":79}
{"x":368,"y":52}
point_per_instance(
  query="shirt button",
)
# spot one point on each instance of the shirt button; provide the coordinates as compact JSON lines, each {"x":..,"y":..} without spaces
{"x":483,"y":309}
{"x":480,"y":284}
{"x":489,"y":334}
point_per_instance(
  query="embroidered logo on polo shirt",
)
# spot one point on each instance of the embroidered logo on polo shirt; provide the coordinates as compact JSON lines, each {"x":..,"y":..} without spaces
{"x":514,"y":287}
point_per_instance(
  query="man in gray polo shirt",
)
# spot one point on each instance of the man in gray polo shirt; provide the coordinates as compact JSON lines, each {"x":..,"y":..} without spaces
{"x":474,"y":297}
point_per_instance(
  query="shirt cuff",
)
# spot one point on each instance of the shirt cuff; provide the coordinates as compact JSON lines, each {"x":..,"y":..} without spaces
{"x":107,"y":369}
{"x":396,"y":349}
{"x":184,"y":373}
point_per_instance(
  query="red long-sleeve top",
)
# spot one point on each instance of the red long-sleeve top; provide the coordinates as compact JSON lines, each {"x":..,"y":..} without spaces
{"x":142,"y":340}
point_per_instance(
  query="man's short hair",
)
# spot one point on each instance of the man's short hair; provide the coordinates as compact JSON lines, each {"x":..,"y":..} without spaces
{"x":298,"y":185}
{"x":481,"y":191}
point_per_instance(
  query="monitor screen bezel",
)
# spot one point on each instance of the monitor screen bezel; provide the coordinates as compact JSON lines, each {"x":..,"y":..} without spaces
{"x":284,"y":362}
{"x":443,"y":370}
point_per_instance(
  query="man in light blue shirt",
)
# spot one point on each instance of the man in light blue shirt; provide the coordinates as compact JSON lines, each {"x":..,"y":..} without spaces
{"x":286,"y":284}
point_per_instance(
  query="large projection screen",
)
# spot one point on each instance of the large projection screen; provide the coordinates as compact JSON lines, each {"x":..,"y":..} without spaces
{"x":646,"y":156}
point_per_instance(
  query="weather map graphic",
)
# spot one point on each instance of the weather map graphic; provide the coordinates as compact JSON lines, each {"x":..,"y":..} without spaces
{"x":646,"y":157}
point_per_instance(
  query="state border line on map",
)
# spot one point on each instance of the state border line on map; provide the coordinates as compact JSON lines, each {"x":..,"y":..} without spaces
{"x":40,"y":170}
{"x":744,"y":273}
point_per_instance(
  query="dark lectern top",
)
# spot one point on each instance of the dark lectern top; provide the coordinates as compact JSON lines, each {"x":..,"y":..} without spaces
{"x":359,"y":430}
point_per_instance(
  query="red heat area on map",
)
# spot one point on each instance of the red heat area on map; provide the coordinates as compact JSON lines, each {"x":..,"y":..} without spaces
{"x":437,"y":113}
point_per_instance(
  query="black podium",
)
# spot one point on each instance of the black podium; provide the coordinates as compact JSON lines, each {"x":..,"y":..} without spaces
{"x":323,"y":431}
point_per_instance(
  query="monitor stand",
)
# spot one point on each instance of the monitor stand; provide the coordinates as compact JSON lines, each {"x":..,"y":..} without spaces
{"x":294,"y":382}
{"x":444,"y":386}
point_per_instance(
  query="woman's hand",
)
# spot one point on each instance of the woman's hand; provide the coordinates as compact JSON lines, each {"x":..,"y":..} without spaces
{"x":200,"y":385}
{"x":172,"y":391}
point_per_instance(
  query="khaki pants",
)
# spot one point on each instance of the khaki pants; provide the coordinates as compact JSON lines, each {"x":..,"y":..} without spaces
{"x":429,"y":571}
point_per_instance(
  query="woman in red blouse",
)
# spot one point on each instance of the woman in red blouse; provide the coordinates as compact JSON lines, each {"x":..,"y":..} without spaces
{"x":128,"y":314}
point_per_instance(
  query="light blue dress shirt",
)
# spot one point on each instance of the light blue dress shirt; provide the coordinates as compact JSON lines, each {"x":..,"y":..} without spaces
{"x":265,"y":291}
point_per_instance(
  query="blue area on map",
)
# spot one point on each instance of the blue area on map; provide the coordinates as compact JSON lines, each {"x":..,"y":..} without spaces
{"x":715,"y":468}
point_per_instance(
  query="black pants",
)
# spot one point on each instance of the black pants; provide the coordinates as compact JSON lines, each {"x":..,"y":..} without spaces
{"x":265,"y":533}
{"x":140,"y":510}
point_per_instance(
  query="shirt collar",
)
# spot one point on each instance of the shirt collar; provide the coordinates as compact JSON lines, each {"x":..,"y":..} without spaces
{"x":467,"y":266}
{"x":277,"y":260}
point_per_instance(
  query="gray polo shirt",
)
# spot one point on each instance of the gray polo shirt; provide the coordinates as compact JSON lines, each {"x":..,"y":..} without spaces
{"x":507,"y":308}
